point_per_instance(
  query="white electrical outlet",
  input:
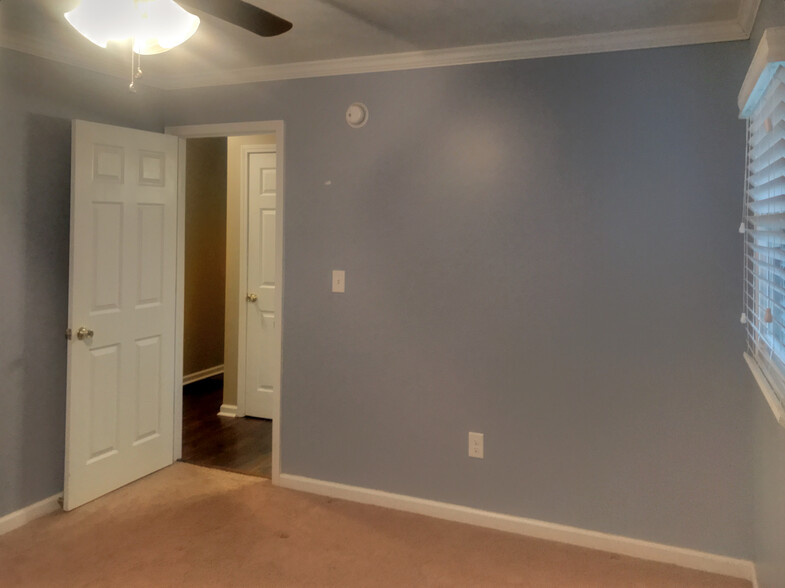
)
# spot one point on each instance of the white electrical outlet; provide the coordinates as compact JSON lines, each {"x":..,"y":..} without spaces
{"x":476,"y":445}
{"x":339,"y":281}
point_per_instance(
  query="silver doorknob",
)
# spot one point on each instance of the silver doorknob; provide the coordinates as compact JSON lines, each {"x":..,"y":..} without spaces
{"x":84,"y":333}
{"x":252,"y":297}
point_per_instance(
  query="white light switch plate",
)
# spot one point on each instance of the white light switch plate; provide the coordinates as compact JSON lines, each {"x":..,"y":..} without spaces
{"x":339,"y":281}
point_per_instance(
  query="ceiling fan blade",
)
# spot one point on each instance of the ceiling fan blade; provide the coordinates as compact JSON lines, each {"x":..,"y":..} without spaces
{"x":243,"y":15}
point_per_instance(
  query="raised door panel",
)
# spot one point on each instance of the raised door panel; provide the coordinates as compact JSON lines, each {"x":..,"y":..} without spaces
{"x":148,"y":389}
{"x":106,"y":253}
{"x":151,"y":243}
{"x":265,"y":271}
{"x":104,"y":386}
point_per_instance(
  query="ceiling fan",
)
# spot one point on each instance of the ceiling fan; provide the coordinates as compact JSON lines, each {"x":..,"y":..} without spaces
{"x":156,"y":26}
{"x":242,"y":14}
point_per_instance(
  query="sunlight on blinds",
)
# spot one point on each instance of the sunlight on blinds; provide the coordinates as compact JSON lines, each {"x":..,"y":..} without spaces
{"x":764,"y":234}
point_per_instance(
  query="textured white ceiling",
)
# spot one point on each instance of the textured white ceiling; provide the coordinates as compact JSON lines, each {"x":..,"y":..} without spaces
{"x":335,"y":29}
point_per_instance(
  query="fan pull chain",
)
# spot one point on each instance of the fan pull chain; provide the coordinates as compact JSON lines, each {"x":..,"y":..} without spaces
{"x":136,"y":69}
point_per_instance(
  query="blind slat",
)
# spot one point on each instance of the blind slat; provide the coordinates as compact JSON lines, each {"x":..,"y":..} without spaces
{"x":775,"y":252}
{"x":769,"y":266}
{"x":767,"y":169}
{"x":768,"y":141}
{"x":772,"y":107}
{"x":769,"y":172}
{"x":770,"y":189}
{"x":779,"y":288}
{"x":759,"y":132}
{"x":769,"y":221}
{"x":761,"y":336}
{"x":762,"y":206}
{"x":769,"y":284}
{"x":757,"y":321}
{"x":767,"y":235}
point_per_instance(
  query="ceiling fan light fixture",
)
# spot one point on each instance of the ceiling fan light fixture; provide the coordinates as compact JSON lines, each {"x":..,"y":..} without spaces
{"x":163,"y":25}
{"x":100,"y":21}
{"x":154,"y":26}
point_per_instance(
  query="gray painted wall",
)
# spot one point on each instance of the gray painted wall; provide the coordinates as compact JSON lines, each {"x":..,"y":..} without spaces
{"x":38,"y":99}
{"x":543,"y":251}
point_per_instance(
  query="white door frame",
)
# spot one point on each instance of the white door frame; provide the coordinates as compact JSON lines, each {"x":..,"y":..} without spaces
{"x":231,"y":130}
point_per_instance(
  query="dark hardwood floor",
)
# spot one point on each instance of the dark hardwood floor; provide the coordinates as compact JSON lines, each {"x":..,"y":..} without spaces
{"x":241,"y":445}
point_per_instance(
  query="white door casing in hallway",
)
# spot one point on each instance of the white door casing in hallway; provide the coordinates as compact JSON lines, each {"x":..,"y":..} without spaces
{"x":261,"y":349}
{"x":244,"y":134}
{"x":121,"y":379}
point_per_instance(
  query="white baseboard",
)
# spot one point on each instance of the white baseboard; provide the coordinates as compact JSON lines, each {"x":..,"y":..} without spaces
{"x":23,"y":516}
{"x":688,"y":558}
{"x":228,"y":410}
{"x":203,"y":375}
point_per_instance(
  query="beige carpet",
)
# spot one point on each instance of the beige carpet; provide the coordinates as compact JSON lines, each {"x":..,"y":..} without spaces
{"x":191,"y":526}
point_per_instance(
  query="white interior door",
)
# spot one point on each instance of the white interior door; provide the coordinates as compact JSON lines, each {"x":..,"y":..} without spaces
{"x":262,"y":315}
{"x":121,"y":356}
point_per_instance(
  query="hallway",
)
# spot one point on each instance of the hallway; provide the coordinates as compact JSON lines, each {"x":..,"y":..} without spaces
{"x":242,"y":445}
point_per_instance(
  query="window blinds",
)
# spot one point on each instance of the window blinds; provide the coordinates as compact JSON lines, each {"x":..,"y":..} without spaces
{"x":764,"y":234}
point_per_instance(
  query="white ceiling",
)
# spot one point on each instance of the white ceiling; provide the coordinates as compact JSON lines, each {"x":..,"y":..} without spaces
{"x":348,"y":36}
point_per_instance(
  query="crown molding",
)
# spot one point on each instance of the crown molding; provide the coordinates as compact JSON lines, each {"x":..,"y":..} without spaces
{"x":554,"y":47}
{"x":748,"y":10}
{"x":732,"y":30}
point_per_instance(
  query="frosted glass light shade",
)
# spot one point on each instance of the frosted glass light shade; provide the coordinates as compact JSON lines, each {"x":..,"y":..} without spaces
{"x":154,"y":25}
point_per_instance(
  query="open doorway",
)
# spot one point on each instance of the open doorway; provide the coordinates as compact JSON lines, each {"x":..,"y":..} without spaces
{"x":231,"y":303}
